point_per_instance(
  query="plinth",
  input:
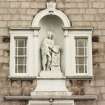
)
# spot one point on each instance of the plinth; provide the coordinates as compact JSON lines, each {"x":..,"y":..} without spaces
{"x":51,"y":90}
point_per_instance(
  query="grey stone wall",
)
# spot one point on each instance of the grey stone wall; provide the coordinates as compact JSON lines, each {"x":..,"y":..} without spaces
{"x":90,"y":13}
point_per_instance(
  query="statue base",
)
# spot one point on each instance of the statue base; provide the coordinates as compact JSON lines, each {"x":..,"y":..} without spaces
{"x":51,"y":92}
{"x":51,"y":89}
{"x":56,"y":85}
{"x":51,"y":74}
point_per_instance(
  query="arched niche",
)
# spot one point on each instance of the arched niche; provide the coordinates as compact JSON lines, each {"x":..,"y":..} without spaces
{"x":51,"y":10}
{"x":53,"y":20}
{"x":53,"y":24}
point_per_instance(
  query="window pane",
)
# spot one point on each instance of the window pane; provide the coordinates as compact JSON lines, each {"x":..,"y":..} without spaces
{"x":21,"y":51}
{"x":21,"y":43}
{"x":21,"y":69}
{"x":81,"y":60}
{"x":80,"y":51}
{"x":81,"y":42}
{"x":20,"y":60}
{"x":81,"y":69}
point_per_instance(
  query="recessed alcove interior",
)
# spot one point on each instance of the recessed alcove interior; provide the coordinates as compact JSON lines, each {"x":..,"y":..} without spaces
{"x":54,"y":24}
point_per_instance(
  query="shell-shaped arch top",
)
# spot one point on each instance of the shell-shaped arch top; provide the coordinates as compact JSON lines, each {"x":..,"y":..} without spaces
{"x":51,"y":10}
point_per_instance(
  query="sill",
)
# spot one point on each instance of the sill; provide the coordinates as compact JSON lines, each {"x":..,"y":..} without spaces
{"x":22,"y":78}
{"x":72,"y":97}
{"x":34,"y":77}
{"x":80,"y":77}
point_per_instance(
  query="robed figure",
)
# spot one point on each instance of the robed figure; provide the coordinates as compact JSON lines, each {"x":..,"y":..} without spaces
{"x":50,"y":54}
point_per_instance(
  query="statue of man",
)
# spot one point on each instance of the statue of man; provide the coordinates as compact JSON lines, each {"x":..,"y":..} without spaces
{"x":46,"y":50}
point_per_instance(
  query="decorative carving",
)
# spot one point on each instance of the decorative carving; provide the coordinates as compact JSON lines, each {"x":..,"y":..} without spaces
{"x":26,"y":88}
{"x":76,"y":86}
{"x":15,"y":89}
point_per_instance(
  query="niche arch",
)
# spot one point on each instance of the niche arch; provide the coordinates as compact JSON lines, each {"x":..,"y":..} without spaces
{"x":51,"y":10}
{"x":64,"y":24}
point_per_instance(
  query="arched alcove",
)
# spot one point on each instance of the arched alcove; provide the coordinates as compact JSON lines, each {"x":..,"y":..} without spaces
{"x":53,"y":20}
{"x":51,"y":10}
{"x":52,"y":23}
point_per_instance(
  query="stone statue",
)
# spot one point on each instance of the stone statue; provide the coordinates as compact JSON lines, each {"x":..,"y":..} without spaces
{"x":50,"y":53}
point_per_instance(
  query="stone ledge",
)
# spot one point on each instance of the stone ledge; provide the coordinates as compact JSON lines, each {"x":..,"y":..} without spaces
{"x":73,"y":97}
{"x":80,"y":77}
{"x":22,"y":78}
{"x":40,"y":78}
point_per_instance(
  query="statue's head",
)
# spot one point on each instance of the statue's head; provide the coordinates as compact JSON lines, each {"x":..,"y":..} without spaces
{"x":50,"y":35}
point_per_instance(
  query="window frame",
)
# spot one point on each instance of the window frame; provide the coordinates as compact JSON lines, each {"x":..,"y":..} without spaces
{"x":21,"y":34}
{"x":71,"y":53}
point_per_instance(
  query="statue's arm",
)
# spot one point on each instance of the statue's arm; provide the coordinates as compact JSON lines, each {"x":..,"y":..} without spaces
{"x":56,"y":52}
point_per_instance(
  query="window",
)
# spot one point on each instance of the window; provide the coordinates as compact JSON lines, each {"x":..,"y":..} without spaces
{"x":21,"y":51}
{"x":81,"y":55}
{"x":20,"y":55}
{"x":79,"y":51}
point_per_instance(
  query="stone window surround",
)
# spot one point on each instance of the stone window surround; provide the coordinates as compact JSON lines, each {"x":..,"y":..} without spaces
{"x":21,"y":33}
{"x":71,"y":69}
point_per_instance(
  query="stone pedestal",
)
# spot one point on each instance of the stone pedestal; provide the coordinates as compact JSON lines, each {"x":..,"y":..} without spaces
{"x":51,"y":91}
{"x":52,"y":85}
{"x":52,"y":96}
{"x":51,"y":74}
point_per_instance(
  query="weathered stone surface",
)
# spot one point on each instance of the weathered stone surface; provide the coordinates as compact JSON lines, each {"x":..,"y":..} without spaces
{"x":101,"y":103}
{"x":81,"y":13}
{"x":15,"y":88}
{"x":16,"y":84}
{"x":98,"y":5}
{"x":100,"y":82}
{"x":84,"y":103}
{"x":15,"y":4}
{"x":91,"y":11}
{"x":26,"y":88}
{"x":74,"y":11}
{"x":90,"y":90}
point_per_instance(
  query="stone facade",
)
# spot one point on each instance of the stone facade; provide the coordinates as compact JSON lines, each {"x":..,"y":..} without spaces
{"x":82,"y":13}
